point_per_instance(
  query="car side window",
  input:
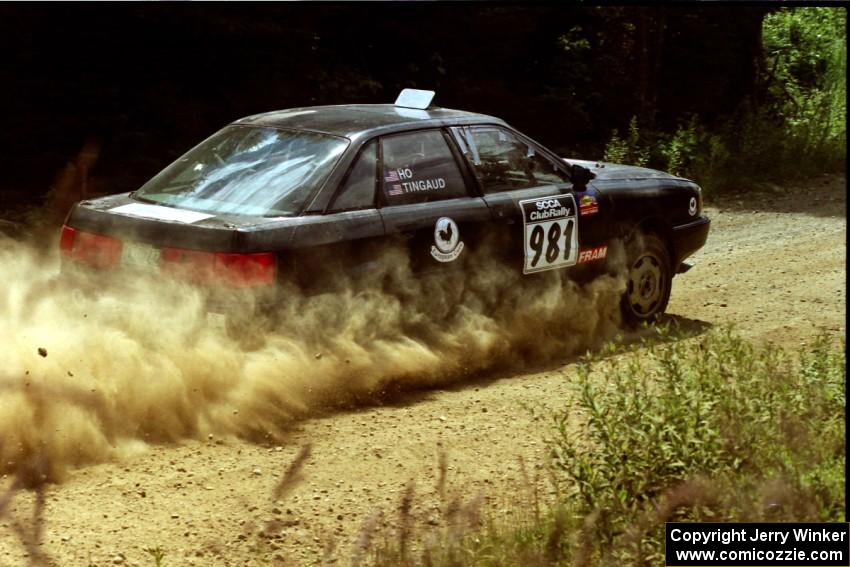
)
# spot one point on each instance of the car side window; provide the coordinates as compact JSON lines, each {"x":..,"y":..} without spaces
{"x":358,"y":191}
{"x":419,"y":167}
{"x":503,"y":162}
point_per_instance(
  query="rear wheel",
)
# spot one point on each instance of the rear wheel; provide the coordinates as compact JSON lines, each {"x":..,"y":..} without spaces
{"x":649,"y":280}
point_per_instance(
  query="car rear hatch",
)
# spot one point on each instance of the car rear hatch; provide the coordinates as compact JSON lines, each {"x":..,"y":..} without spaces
{"x":117,"y":232}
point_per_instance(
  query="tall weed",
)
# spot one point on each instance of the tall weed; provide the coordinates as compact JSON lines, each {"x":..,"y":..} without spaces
{"x":704,"y":429}
{"x":750,"y":434}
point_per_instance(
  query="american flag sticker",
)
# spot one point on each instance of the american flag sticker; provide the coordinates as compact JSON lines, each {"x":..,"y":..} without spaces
{"x":395,"y":190}
{"x":392,"y":175}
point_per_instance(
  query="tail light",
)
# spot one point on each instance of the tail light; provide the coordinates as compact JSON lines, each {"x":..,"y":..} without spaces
{"x":233,"y":270}
{"x":188,"y":264}
{"x":66,"y":240}
{"x":245,"y":270}
{"x":95,"y":250}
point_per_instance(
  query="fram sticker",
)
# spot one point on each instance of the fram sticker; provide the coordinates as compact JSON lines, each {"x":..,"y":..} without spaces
{"x":592,"y":254}
{"x":588,"y":205}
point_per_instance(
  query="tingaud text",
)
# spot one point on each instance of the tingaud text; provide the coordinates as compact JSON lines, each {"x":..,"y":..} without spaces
{"x":727,"y":536}
{"x":424,"y":185}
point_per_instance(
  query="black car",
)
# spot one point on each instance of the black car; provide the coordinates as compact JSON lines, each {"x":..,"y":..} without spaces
{"x":271,"y":197}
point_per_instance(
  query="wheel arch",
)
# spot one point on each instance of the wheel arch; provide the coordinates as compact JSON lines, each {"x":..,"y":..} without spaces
{"x":656,"y":225}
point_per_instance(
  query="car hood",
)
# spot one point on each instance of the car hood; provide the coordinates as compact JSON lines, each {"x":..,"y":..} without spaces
{"x":607,"y":171}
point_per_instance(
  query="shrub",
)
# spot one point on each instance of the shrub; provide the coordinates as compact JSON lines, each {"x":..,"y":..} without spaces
{"x":630,"y":150}
{"x":703,"y":429}
{"x":795,"y":126}
{"x":806,"y":57}
{"x":720,"y":429}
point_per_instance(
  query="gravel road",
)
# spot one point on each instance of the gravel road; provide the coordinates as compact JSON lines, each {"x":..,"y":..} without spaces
{"x":774,"y":267}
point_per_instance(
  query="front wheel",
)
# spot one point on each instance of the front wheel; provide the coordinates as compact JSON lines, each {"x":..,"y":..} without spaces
{"x":649,"y":280}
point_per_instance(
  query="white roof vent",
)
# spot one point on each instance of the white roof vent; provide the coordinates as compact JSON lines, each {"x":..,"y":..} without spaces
{"x":415,"y":98}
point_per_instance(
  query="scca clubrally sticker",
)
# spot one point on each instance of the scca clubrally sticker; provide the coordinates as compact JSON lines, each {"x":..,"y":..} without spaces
{"x":550,"y":227}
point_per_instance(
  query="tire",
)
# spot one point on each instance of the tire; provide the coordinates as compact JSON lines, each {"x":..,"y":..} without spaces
{"x":649,"y":280}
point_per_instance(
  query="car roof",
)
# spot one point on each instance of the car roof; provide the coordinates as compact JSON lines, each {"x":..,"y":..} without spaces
{"x":364,"y":120}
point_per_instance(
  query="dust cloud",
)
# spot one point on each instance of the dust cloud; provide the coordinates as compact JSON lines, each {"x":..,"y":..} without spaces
{"x":129,"y":361}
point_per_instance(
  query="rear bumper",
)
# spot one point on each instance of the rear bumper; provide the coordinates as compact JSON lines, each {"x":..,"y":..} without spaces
{"x":689,"y":238}
{"x":241,"y":302}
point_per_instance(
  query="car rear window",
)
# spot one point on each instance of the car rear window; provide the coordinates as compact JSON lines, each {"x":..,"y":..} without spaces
{"x":419,"y":167}
{"x":247,"y":170}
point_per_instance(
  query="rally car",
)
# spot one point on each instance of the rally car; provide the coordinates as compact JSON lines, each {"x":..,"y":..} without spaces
{"x":271,"y":197}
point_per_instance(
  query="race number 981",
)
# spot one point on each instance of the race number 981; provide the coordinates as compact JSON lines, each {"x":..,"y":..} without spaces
{"x":550,"y":228}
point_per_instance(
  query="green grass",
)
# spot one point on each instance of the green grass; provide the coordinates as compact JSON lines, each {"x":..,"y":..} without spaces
{"x":704,"y":429}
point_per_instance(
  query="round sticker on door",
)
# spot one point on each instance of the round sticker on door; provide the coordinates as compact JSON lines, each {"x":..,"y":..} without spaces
{"x":692,"y":206}
{"x":447,"y":245}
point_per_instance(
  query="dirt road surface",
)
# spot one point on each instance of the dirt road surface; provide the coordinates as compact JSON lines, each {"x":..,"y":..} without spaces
{"x":774,"y":266}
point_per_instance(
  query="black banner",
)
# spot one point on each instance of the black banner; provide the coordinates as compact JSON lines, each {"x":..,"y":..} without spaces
{"x":757,"y":544}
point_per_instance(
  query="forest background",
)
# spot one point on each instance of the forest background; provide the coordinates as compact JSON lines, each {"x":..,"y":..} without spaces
{"x":729,"y":96}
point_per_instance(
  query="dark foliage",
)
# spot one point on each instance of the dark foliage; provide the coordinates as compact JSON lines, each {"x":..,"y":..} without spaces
{"x":147,"y":81}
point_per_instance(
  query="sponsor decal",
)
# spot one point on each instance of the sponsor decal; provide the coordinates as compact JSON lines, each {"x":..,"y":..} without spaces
{"x":692,"y":206}
{"x":588,"y":205}
{"x":403,"y":183}
{"x":550,"y":233}
{"x":447,"y":244}
{"x":160,"y":213}
{"x":592,"y":254}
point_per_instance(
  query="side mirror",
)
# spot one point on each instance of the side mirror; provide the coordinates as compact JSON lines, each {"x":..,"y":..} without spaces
{"x":580,"y":175}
